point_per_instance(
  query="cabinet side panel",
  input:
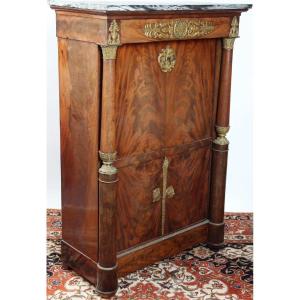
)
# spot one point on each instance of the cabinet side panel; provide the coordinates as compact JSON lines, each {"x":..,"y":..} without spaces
{"x":79,"y":113}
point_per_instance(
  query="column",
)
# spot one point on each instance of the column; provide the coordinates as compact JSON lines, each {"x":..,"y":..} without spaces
{"x":107,"y":283}
{"x":220,"y":144}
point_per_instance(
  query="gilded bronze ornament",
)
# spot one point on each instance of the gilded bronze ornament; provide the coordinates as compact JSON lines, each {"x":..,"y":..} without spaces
{"x":234,"y":29}
{"x":109,"y":52}
{"x":108,"y":157}
{"x":167,"y":59}
{"x":168,"y":192}
{"x":107,"y":168}
{"x":156,"y":195}
{"x":114,"y":33}
{"x":221,"y":136}
{"x":228,"y":43}
{"x":179,"y":29}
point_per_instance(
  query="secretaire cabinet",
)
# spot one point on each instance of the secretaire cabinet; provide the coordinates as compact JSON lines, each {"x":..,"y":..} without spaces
{"x":144,"y":110}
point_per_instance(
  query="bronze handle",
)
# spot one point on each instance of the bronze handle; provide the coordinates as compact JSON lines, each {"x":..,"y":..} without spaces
{"x":170,"y":192}
{"x":156,"y":195}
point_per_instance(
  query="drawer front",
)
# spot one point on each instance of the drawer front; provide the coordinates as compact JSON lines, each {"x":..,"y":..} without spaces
{"x":156,"y":108}
{"x":189,"y":92}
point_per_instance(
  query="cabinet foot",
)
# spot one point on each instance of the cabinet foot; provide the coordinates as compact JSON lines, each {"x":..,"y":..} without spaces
{"x":66,"y":267}
{"x":107,"y":282}
{"x":215,"y":236}
{"x":106,"y":295}
{"x":215,"y":247}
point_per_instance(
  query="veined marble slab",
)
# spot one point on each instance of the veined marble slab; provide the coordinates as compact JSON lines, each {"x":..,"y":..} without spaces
{"x":100,"y":6}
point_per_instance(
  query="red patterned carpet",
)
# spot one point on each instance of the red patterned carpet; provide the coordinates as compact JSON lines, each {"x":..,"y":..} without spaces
{"x":198,"y":273}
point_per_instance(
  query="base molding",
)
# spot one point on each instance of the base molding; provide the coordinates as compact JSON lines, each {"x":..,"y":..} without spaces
{"x":137,"y":257}
{"x":79,"y":262}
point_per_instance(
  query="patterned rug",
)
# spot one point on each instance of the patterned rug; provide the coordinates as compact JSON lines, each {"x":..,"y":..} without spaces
{"x":198,"y":273}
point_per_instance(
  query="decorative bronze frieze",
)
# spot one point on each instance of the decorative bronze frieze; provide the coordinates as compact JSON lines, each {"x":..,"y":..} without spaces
{"x":107,"y":168}
{"x":221,"y":136}
{"x":167,"y":59}
{"x":178,"y":29}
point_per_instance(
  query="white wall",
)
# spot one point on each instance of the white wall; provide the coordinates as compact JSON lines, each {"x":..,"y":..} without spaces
{"x":239,"y":176}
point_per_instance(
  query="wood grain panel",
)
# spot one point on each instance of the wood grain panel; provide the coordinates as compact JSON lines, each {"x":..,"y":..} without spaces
{"x":189,"y":92}
{"x":79,"y":113}
{"x":82,"y":28}
{"x":188,"y":173}
{"x":139,"y":95}
{"x":138,"y":219}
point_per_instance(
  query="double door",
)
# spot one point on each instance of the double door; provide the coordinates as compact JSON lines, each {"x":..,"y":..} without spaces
{"x":165,"y":109}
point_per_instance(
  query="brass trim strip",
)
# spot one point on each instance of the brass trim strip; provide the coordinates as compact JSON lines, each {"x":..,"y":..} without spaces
{"x":164,"y":195}
{"x":216,"y":224}
{"x":107,"y":268}
{"x":105,"y":293}
{"x":75,"y":249}
{"x":108,"y":182}
{"x":219,"y":150}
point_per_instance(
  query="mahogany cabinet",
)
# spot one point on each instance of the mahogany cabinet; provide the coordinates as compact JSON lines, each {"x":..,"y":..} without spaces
{"x":144,"y":110}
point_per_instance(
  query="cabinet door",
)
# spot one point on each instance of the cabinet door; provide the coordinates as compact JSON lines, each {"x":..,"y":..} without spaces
{"x":188,"y":177}
{"x":139,"y":217}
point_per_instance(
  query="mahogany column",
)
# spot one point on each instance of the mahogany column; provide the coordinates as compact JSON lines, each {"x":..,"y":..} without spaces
{"x":107,"y":283}
{"x":220,"y":144}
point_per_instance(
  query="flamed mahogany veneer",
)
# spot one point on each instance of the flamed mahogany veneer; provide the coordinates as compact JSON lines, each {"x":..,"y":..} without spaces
{"x":144,"y":109}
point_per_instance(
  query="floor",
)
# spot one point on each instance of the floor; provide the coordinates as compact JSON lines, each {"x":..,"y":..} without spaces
{"x":198,"y":273}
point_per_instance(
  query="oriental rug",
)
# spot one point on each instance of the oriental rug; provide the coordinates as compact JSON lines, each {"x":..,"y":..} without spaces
{"x":198,"y":273}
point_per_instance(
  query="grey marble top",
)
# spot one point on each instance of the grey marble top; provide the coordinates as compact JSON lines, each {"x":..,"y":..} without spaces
{"x":101,"y":6}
